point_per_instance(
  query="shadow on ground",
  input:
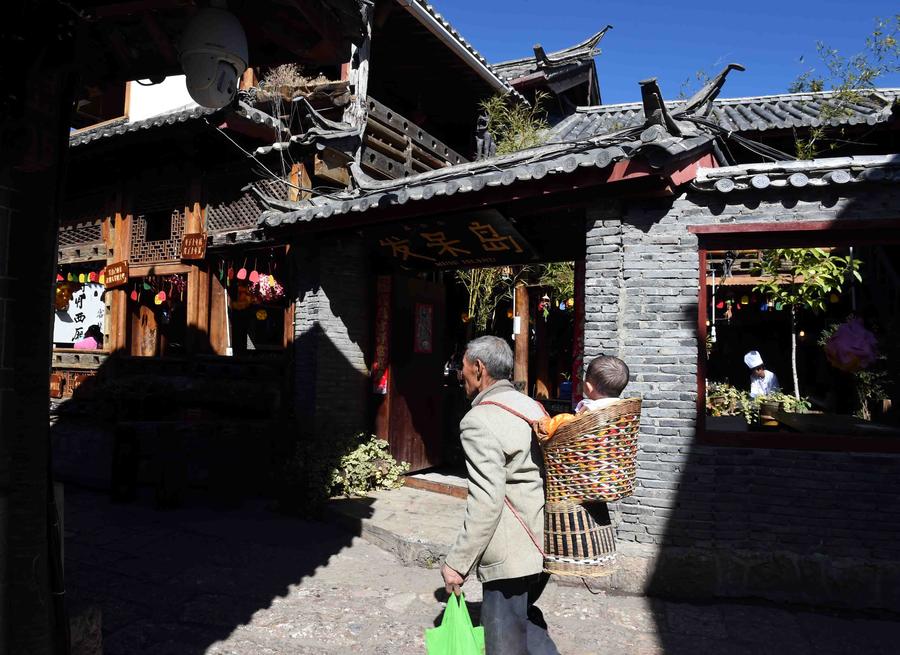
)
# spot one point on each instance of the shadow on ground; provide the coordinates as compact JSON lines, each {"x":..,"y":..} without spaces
{"x":180,"y":580}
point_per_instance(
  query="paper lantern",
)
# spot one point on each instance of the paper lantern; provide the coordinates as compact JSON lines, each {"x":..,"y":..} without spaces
{"x":720,"y":304}
{"x":59,"y":278}
{"x":134,"y":295}
{"x":764,"y":307}
{"x":81,"y":278}
{"x":779,"y":306}
{"x":103,"y":277}
{"x":509,"y":313}
{"x":834,"y":298}
{"x":70,"y":277}
{"x":254,"y":277}
{"x":242,"y":274}
{"x":745,"y":300}
{"x":261,"y":314}
{"x":562,"y":306}
{"x":157,"y":300}
{"x":162,"y":296}
{"x":93,"y":276}
{"x":852,"y":347}
{"x":570,"y":303}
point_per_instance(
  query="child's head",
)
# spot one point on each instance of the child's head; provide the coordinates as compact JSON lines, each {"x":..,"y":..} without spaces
{"x":606,"y":377}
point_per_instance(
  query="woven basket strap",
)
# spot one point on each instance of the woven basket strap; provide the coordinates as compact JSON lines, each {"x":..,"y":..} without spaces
{"x":524,"y":525}
{"x":514,"y":412}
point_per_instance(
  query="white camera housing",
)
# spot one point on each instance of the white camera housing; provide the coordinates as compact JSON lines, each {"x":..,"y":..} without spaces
{"x":213,"y":57}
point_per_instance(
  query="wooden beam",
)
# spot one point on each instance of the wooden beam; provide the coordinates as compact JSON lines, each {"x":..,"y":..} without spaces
{"x":160,"y":39}
{"x":137,"y":7}
{"x":331,"y":166}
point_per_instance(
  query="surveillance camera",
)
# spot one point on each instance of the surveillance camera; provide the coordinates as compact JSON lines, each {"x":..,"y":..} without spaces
{"x":213,"y":57}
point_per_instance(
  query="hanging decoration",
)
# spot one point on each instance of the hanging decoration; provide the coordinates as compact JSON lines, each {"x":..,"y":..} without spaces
{"x":852,"y":347}
{"x":261,"y":314}
{"x":834,"y":298}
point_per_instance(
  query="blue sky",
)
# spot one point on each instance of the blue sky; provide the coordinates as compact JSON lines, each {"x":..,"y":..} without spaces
{"x":673,"y":40}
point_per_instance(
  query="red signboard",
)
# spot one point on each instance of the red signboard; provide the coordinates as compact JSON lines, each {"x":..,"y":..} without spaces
{"x":193,"y":246}
{"x":116,"y":275}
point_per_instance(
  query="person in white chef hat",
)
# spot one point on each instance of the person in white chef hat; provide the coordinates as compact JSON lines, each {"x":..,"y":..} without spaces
{"x":762,"y":382}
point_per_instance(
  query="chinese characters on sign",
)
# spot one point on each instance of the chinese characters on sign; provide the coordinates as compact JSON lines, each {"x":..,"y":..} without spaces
{"x":116,"y":274}
{"x":423,"y":333}
{"x":193,"y":246}
{"x":481,"y":238}
{"x":86,"y":308}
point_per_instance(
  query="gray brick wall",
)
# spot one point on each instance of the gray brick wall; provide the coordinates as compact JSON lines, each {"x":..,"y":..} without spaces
{"x":332,"y":331}
{"x":811,"y":509}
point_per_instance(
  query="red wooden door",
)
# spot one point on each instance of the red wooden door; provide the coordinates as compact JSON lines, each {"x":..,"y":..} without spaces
{"x":415,"y":391}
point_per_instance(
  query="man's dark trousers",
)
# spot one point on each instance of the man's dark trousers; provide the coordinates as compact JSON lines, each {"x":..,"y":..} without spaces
{"x":512,"y":624}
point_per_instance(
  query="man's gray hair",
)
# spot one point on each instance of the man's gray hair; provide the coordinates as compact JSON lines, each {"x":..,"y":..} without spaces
{"x":494,"y":353}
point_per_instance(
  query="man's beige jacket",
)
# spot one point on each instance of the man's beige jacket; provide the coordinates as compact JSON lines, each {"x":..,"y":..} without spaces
{"x":502,"y":461}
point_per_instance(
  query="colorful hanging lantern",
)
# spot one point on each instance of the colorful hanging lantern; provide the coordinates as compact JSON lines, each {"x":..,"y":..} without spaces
{"x":81,"y":279}
{"x":834,"y":298}
{"x":562,"y":306}
{"x":261,"y":314}
{"x":134,"y":295}
{"x":509,"y":313}
{"x":157,"y":300}
{"x":779,"y":306}
{"x":745,"y":300}
{"x":764,"y":307}
{"x":93,"y":276}
{"x":570,"y":303}
{"x":59,"y":278}
{"x":254,"y":277}
{"x":720,"y":304}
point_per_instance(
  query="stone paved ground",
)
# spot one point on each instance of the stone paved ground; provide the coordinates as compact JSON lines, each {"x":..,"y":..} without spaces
{"x":249,"y":582}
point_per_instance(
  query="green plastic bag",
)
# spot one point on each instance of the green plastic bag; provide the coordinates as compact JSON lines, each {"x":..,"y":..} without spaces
{"x":455,"y":635}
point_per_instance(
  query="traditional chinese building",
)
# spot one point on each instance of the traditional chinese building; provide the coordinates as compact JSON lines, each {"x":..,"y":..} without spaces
{"x":647,"y":198}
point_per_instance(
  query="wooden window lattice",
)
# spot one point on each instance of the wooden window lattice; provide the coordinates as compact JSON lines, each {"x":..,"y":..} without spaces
{"x":79,"y":234}
{"x":152,"y":252}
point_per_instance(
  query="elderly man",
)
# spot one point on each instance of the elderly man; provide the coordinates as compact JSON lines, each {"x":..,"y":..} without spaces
{"x":505,"y":508}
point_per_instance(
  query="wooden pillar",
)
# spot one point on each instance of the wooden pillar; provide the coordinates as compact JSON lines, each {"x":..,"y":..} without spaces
{"x":198,"y":286}
{"x":35,"y":133}
{"x":357,"y":73}
{"x":218,"y":316}
{"x":523,"y":336}
{"x":119,"y":248}
{"x":542,"y":382}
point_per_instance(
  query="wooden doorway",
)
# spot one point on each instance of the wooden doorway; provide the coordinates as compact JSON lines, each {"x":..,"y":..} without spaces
{"x":411,"y":416}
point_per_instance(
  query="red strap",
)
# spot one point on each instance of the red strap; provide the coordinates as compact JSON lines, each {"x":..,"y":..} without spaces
{"x":527,"y":529}
{"x":512,"y":509}
{"x":514,"y":412}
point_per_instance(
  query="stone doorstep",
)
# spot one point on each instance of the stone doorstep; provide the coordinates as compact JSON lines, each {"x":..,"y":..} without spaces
{"x":418,"y":527}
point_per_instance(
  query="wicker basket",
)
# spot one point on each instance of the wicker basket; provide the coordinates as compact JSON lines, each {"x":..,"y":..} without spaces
{"x":578,"y":540}
{"x":592,"y":457}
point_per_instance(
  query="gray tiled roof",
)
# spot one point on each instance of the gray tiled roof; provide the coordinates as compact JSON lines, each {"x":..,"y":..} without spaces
{"x":798,"y":174}
{"x":754,"y":114}
{"x":654,"y":145}
{"x":182,"y":115}
{"x":447,"y":27}
{"x":576,"y":54}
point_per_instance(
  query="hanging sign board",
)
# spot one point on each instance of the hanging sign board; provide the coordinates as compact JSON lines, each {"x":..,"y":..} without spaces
{"x":116,"y":275}
{"x":193,"y":246}
{"x":470,"y":239}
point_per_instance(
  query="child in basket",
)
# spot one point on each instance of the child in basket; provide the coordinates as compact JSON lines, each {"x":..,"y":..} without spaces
{"x":604,"y":380}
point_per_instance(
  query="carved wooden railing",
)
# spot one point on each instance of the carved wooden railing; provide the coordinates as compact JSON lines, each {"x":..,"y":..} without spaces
{"x":394,"y":146}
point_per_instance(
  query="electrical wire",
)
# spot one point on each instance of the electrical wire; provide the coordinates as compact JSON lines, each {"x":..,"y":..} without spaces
{"x":270,"y":173}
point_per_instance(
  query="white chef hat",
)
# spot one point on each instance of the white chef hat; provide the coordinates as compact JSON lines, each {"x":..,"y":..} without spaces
{"x":753,"y":359}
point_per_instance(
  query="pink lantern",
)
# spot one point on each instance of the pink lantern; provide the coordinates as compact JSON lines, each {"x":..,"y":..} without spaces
{"x":852,"y":347}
